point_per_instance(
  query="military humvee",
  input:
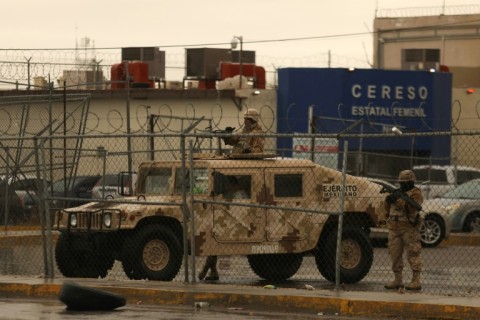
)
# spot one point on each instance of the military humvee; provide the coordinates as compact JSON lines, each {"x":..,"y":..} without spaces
{"x":290,"y":211}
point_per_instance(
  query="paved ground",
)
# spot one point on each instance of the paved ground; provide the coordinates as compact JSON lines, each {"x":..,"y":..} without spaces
{"x":327,"y":302}
{"x":294,"y":300}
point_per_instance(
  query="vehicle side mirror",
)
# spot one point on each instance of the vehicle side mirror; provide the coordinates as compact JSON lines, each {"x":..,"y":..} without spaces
{"x":125,"y":184}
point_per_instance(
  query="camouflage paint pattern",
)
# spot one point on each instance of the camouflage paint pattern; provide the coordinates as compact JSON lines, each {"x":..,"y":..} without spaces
{"x":232,"y":229}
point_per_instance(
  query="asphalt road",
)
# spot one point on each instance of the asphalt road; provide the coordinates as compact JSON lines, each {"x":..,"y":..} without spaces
{"x":37,"y":309}
{"x":447,"y":270}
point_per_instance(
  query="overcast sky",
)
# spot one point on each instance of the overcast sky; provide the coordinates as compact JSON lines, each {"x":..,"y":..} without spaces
{"x":174,"y":24}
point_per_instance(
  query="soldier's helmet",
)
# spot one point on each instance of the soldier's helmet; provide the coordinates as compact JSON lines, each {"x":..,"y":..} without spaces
{"x":252,"y":114}
{"x":406,"y":175}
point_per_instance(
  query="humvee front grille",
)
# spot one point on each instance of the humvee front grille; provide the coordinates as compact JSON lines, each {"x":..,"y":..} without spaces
{"x":86,"y":221}
{"x":89,"y":221}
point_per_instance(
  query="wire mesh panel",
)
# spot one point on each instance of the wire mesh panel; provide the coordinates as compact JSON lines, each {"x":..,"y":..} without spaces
{"x":252,"y":219}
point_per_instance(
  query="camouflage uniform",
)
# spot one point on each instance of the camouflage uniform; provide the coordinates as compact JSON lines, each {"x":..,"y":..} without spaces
{"x":404,"y":234}
{"x":241,"y":144}
{"x":247,"y":144}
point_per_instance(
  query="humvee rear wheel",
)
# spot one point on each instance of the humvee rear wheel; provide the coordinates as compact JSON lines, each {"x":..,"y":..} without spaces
{"x":154,"y":253}
{"x":356,"y":255}
{"x":275,"y":267}
{"x":83,"y":263}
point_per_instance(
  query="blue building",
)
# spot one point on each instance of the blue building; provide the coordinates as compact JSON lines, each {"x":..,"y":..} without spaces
{"x":368,"y":101}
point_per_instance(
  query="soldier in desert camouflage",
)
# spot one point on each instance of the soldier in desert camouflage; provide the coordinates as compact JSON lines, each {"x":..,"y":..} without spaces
{"x":404,"y":232}
{"x":248,"y":144}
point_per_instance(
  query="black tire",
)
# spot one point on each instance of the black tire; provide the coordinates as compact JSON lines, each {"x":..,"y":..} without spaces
{"x":81,"y":298}
{"x":472,"y":222}
{"x":432,"y":232}
{"x":154,"y":252}
{"x":356,"y":255}
{"x":275,"y":267}
{"x":84,"y":263}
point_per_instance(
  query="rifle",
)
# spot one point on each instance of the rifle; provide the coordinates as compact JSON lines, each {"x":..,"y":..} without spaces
{"x":220,"y":132}
{"x":397,"y":193}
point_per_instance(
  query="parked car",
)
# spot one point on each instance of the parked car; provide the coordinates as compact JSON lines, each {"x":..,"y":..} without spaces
{"x":112,"y":186}
{"x":11,"y":207}
{"x":26,"y":188}
{"x":78,"y":188}
{"x":458,"y":208}
{"x":22,"y":198}
{"x":435,"y":180}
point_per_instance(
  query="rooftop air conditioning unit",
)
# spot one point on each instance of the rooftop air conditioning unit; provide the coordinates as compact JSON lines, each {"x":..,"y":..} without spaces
{"x":151,"y":56}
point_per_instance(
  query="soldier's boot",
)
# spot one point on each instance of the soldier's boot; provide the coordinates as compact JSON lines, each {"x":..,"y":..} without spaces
{"x":396,"y":283}
{"x":213,"y":275}
{"x":203,"y":273}
{"x":415,"y":283}
{"x":212,"y":263}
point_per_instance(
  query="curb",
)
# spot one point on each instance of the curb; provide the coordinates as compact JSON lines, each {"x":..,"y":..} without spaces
{"x":316,"y":302}
{"x":462,"y":239}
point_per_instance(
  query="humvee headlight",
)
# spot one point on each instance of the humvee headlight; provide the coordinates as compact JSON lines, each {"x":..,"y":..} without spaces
{"x":107,"y":220}
{"x":73,"y":220}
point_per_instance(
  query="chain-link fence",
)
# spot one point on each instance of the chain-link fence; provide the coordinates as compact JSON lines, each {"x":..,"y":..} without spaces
{"x":282,"y":229}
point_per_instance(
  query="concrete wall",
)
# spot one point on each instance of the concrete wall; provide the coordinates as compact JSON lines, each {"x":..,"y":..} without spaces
{"x":457,"y":37}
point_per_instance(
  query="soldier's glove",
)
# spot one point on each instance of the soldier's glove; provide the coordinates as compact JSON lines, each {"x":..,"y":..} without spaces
{"x":391,"y":198}
{"x":229,"y":129}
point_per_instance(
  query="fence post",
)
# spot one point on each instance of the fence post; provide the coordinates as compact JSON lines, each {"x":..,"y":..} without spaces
{"x":129,"y":137}
{"x":7,"y":173}
{"x":340,"y":218}
{"x":311,"y":130}
{"x":43,"y":210}
{"x":184,"y":206}
{"x":192,"y":212}
{"x":104,"y":171}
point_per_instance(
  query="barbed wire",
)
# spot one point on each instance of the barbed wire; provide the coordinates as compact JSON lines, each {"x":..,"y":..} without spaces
{"x":23,"y":66}
{"x":427,"y":11}
{"x":13,"y":111}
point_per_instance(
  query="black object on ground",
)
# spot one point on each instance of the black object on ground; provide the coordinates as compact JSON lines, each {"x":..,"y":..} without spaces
{"x":78,"y":297}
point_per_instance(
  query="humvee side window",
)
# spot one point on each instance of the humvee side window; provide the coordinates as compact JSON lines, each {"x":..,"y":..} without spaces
{"x":234,"y":186}
{"x":157,"y":181}
{"x":200,"y":179}
{"x":288,"y":185}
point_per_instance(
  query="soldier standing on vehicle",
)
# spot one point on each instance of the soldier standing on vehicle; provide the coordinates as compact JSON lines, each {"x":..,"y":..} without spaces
{"x":247,"y":144}
{"x":404,"y":232}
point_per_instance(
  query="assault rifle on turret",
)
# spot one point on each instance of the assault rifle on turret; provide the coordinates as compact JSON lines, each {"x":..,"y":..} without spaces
{"x":219,"y":134}
{"x":396,"y":193}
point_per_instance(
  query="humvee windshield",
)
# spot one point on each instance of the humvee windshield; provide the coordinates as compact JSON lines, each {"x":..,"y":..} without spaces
{"x":200,"y":179}
{"x":157,"y":181}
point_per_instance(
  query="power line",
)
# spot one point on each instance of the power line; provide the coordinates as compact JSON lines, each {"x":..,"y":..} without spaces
{"x":331,"y":36}
{"x":208,"y":44}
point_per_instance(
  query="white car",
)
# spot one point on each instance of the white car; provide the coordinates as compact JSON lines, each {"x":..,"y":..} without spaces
{"x":458,"y":210}
{"x":110,"y":186}
{"x":435,"y":180}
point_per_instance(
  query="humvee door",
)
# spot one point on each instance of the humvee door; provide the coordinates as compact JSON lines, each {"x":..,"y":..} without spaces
{"x":232,"y":221}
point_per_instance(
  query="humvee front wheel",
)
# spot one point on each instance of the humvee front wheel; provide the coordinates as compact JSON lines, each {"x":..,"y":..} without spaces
{"x":275,"y":267}
{"x":154,"y":253}
{"x":356,"y":255}
{"x":84,"y":263}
